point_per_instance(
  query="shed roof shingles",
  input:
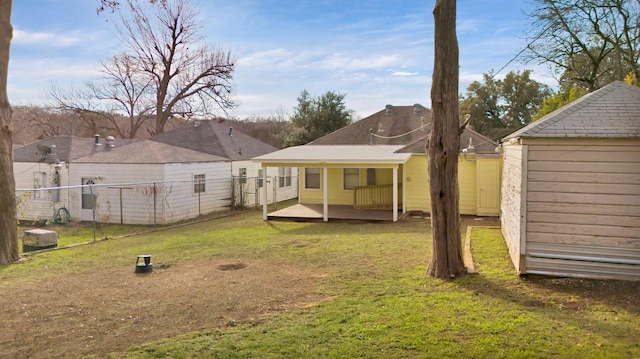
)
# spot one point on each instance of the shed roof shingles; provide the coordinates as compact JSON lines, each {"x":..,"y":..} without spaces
{"x":612,"y":111}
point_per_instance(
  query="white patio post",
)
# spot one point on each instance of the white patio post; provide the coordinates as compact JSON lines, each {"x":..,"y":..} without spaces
{"x":404,"y":190}
{"x":264,"y":192}
{"x":325,"y":194}
{"x":395,"y":193}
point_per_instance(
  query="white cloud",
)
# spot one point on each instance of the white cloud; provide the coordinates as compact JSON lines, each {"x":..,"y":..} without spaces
{"x":404,"y":73}
{"x":49,"y":39}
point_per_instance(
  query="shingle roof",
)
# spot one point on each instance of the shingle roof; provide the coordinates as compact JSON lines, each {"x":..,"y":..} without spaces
{"x":146,"y":152}
{"x":217,"y":138}
{"x":482,"y":146}
{"x":610,"y":112}
{"x":392,"y":121}
{"x":395,"y":121}
{"x":83,"y":150}
{"x":67,"y":149}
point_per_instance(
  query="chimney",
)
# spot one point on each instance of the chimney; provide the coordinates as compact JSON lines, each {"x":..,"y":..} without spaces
{"x":417,"y":109}
{"x":96,"y":139}
{"x":110,"y":141}
{"x":389,"y":110}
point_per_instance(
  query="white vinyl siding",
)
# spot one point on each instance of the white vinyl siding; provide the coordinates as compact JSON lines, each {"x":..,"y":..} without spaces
{"x":39,"y":181}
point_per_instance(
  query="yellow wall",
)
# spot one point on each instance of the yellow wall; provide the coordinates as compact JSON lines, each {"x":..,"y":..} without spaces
{"x":467,"y":182}
{"x":489,"y":177}
{"x":337,"y":194}
{"x":417,"y":184}
{"x":472,"y":175}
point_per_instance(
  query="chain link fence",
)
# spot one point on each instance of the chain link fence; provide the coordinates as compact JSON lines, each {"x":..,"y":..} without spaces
{"x":149,"y":203}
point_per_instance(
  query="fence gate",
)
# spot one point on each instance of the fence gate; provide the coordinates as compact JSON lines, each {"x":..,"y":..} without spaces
{"x":245,"y":192}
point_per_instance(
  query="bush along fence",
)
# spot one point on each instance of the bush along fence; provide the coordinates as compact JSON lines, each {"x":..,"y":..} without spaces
{"x":148,"y":203}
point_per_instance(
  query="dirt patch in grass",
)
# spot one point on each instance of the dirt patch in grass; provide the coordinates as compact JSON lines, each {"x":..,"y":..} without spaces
{"x":100,"y":311}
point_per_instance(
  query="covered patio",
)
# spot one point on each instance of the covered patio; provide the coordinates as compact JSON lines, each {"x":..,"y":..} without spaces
{"x":334,"y":212}
{"x":323,"y":203}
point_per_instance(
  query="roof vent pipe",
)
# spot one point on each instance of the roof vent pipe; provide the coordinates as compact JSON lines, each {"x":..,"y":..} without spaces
{"x":96,"y":140}
{"x":110,"y":141}
{"x":230,"y":130}
{"x":389,"y":110}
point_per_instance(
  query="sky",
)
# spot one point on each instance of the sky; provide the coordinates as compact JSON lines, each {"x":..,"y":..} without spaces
{"x":376,"y":52}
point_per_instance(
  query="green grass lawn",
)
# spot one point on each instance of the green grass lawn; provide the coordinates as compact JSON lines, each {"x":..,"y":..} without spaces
{"x":379,"y":302}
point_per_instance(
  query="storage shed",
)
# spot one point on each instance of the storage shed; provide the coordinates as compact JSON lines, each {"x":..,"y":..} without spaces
{"x":570,"y":203}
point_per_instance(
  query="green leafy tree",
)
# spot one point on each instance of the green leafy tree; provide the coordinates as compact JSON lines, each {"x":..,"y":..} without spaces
{"x":315,"y":117}
{"x":558,"y":100}
{"x":498,"y":107}
{"x":632,"y":79}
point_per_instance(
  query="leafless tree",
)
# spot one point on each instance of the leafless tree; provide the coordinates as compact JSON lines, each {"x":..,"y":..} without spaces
{"x":588,"y":42}
{"x":123,"y":92}
{"x":443,"y":147}
{"x":163,"y":41}
{"x":8,"y":226}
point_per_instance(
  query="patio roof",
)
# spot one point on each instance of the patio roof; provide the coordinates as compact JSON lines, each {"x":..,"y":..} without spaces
{"x":336,"y":154}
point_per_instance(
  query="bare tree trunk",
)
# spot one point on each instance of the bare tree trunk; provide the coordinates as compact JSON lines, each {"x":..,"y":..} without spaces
{"x":8,"y":226}
{"x":443,"y":147}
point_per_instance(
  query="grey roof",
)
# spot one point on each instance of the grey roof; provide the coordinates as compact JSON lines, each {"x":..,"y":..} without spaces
{"x":215,"y":137}
{"x":390,"y":122}
{"x":389,"y":126}
{"x":483,"y":146}
{"x":146,"y":152}
{"x":83,"y":150}
{"x":67,"y":149}
{"x":610,"y":112}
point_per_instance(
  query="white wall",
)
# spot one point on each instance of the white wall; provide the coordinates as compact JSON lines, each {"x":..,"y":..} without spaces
{"x":511,"y":210}
{"x":38,"y":205}
{"x":137,"y":195}
{"x":178,"y":198}
{"x":253,"y":197}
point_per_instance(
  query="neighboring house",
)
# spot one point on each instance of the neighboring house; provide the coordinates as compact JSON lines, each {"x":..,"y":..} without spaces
{"x":216,"y":137}
{"x":380,"y":162}
{"x":118,"y":181}
{"x":571,"y":188}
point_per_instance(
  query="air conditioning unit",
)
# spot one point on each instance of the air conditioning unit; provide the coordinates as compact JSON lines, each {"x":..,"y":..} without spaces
{"x":37,"y":239}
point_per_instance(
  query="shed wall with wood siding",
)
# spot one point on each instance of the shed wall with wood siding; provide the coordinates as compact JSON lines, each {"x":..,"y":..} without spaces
{"x":582,"y":207}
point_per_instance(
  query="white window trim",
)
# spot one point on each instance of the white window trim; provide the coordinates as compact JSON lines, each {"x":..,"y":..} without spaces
{"x":319,"y":179}
{"x":344,"y":179}
{"x":202,"y":182}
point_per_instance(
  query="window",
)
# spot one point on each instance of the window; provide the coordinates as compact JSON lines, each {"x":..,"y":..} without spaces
{"x":260,"y":178}
{"x":39,"y":181}
{"x":284,"y":176}
{"x":198,"y":183}
{"x":351,"y":177}
{"x":312,"y":178}
{"x":242,"y":173}
{"x":371,"y":176}
{"x":88,"y":192}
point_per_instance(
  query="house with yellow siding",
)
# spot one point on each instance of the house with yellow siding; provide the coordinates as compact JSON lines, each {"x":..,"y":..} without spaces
{"x":379,"y":163}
